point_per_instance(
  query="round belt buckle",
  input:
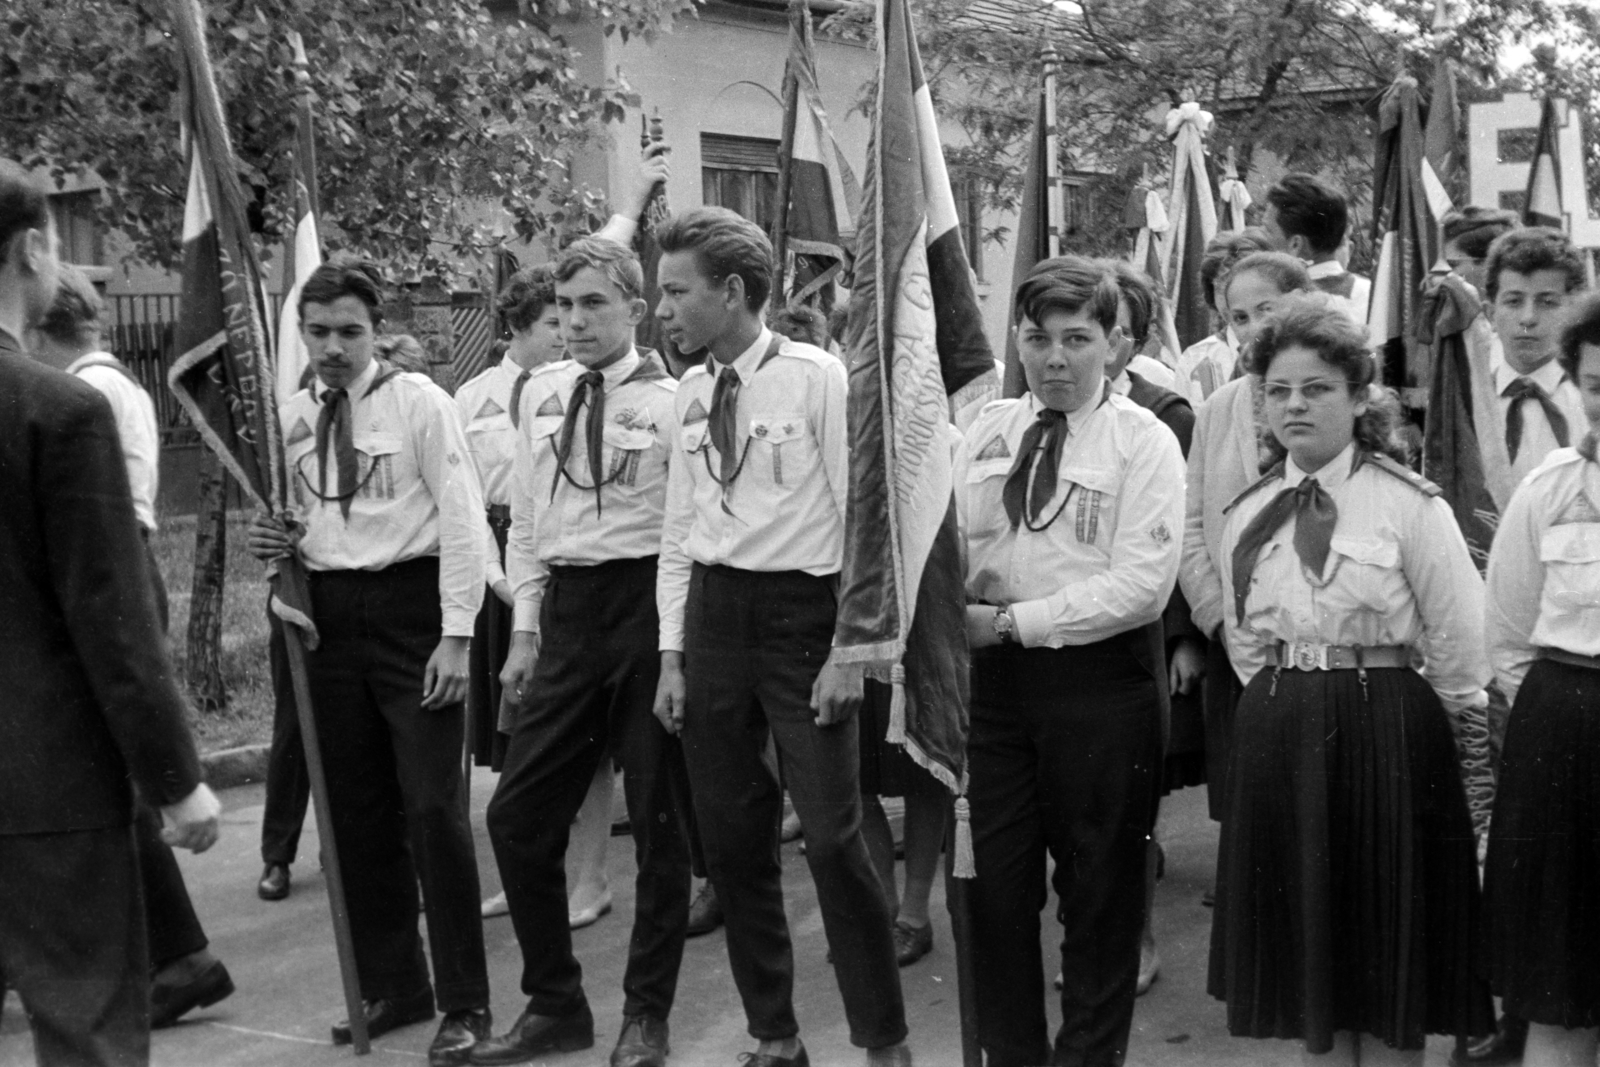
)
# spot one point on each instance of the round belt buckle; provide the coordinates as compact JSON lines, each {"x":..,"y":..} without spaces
{"x":1305,"y":657}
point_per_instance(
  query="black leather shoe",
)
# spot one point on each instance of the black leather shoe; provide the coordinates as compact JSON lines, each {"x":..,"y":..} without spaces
{"x":762,"y":1059}
{"x":198,"y":980}
{"x":705,"y":914}
{"x":388,"y":1013}
{"x":534,"y":1035}
{"x":1504,"y":1046}
{"x":643,"y":1043}
{"x":458,"y":1033}
{"x":274,"y":884}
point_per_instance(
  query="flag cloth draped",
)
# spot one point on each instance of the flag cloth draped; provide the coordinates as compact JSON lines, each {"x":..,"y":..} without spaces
{"x":1193,"y":215}
{"x":303,"y":253}
{"x":1033,"y":234}
{"x":1233,"y":199}
{"x":824,"y":196}
{"x":224,"y":374}
{"x":1147,"y":216}
{"x":649,"y":334}
{"x":916,"y":348}
{"x":1406,"y":240}
{"x":1543,"y":207}
{"x":1441,"y":153}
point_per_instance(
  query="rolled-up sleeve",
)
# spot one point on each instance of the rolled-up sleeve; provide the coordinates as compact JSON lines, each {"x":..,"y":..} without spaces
{"x":1515,"y":587}
{"x":1198,"y":574}
{"x":445,"y":462}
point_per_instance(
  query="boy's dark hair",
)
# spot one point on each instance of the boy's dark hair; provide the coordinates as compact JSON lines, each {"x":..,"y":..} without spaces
{"x":1534,"y":248}
{"x":345,"y":275}
{"x":725,"y":244}
{"x":74,"y":315}
{"x":616,"y":261}
{"x":23,"y":204}
{"x":1311,"y":208}
{"x":1139,"y":294}
{"x":525,"y":296}
{"x":1473,"y":229}
{"x":1582,"y":328}
{"x":1070,"y":284}
{"x":1223,"y":251}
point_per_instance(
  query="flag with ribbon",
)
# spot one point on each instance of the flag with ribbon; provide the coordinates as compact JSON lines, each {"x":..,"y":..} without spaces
{"x":1233,"y":199}
{"x":1033,"y":232}
{"x":1406,"y":240}
{"x":1544,"y":205}
{"x":1146,"y":215}
{"x":917,"y":350}
{"x":303,"y":251}
{"x":824,"y":195}
{"x":1193,"y":215}
{"x":224,"y":375}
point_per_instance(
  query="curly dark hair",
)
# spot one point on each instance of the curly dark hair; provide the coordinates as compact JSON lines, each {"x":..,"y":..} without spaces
{"x":1582,"y":328}
{"x":1222,"y":252}
{"x":1532,"y":249}
{"x":344,"y":275}
{"x":1308,"y":322}
{"x":525,"y":296}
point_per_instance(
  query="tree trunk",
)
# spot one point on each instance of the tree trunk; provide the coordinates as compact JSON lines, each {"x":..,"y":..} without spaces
{"x":205,"y":603}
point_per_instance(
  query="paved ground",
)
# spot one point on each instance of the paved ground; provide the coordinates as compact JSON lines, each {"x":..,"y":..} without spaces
{"x":282,"y":959}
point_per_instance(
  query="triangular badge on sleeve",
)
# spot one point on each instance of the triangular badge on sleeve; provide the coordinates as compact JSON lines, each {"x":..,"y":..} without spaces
{"x":697,"y":412}
{"x":300,"y":432}
{"x":550,"y":406}
{"x":489,"y":408}
{"x":995,"y":449}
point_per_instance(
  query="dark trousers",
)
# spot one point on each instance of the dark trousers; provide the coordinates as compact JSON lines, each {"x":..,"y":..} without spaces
{"x":72,"y":943}
{"x":288,"y":783}
{"x":395,"y":784}
{"x":173,"y":930}
{"x":491,"y":641}
{"x":591,"y":698}
{"x":753,"y":646}
{"x":1063,"y":756}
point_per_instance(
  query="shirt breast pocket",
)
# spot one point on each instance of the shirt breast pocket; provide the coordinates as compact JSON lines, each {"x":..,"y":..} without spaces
{"x":782,"y":445}
{"x":384,"y":467}
{"x":1364,"y":574}
{"x":490,"y":438}
{"x":625,"y":449}
{"x":1571,"y":556}
{"x":1087,"y":499}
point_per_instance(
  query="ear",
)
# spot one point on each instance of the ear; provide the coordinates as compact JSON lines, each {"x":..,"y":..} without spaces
{"x":637,"y":309}
{"x":733,"y":291}
{"x":1300,"y":248}
{"x":1117,"y":338}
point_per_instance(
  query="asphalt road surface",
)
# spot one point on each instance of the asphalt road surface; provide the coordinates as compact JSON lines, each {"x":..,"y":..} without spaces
{"x":282,"y":959}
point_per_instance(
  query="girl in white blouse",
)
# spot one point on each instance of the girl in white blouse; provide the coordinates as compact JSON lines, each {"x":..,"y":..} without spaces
{"x":1542,"y":883}
{"x":1347,"y":893}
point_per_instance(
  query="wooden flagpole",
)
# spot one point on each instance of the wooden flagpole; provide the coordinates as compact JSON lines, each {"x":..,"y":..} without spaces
{"x":1052,"y":162}
{"x":780,"y":217}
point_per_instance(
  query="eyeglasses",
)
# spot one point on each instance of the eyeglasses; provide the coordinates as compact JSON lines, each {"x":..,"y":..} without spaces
{"x":1314,"y":390}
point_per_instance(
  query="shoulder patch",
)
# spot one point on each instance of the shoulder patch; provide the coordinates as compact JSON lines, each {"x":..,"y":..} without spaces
{"x":1275,"y":473}
{"x":551,"y":405}
{"x":995,"y":449}
{"x":1405,"y":474}
{"x":697,"y":412}
{"x":489,"y":408}
{"x":299,"y":433}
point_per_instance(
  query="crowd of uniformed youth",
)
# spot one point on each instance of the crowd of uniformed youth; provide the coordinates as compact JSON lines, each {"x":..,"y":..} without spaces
{"x":1218,"y":566}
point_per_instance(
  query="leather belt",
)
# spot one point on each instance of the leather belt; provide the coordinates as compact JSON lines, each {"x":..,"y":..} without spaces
{"x":1572,"y":659}
{"x":1305,"y":656}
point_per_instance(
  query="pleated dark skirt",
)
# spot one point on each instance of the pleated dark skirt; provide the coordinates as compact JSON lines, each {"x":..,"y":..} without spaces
{"x":1219,"y":698}
{"x":1347,"y":883}
{"x":1542,"y":880}
{"x":1185,"y":764}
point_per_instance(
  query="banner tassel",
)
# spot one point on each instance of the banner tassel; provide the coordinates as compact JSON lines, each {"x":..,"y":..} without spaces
{"x":896,"y":734}
{"x":963,"y":866}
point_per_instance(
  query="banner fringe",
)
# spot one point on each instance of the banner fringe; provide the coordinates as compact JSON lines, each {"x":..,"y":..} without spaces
{"x":181,"y":366}
{"x":963,"y":865}
{"x":881,"y":653}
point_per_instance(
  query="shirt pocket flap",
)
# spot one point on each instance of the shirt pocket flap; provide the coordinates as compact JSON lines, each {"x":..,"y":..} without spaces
{"x":694,"y":437}
{"x":1097,"y":478}
{"x":628,"y":439}
{"x":776,"y":429}
{"x":989,"y":468}
{"x":378,"y":444}
{"x":1573,"y":542}
{"x":1370,"y":551}
{"x":544,"y":426}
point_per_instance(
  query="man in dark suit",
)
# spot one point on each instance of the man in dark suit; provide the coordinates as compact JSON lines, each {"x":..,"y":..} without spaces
{"x":91,"y":701}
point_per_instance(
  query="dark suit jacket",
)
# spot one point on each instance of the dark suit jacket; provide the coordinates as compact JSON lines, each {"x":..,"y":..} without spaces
{"x":88,"y":700}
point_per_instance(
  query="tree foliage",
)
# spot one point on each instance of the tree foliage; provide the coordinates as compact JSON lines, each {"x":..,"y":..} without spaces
{"x":422,"y":107}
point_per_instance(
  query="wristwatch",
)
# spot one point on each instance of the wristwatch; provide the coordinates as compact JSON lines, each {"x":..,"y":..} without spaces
{"x":1005,"y":627}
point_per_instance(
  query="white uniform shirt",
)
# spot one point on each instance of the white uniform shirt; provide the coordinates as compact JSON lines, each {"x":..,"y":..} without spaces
{"x":1357,"y":303}
{"x":1224,"y":460}
{"x":1544,"y":568}
{"x":568,"y":528}
{"x":485,"y":406}
{"x":1109,"y":560}
{"x":1538,"y":439}
{"x":418,"y":494}
{"x":136,"y":430}
{"x":1398,"y":573}
{"x":1153,"y":371}
{"x":1207,"y":365}
{"x":788,"y":501}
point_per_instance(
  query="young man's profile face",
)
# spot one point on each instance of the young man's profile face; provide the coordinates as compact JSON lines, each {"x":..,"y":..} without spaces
{"x":1064,"y":357}
{"x":596,"y":318}
{"x":541,"y":342}
{"x":1527,"y":316}
{"x":40,"y":263}
{"x":338,"y":338}
{"x":695,"y":309}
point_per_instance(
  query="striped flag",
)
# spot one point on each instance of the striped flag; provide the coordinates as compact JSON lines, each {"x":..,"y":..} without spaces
{"x":916,"y":348}
{"x":824,"y":196}
{"x":1033,"y":233}
{"x":1441,"y":152}
{"x":303,"y":252}
{"x":1145,"y":214}
{"x":225,"y":371}
{"x":1233,"y":199}
{"x":1543,"y":206}
{"x":1193,"y":215}
{"x":1406,"y":239}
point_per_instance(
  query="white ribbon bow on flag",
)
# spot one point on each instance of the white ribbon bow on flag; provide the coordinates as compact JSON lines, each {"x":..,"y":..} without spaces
{"x":1187,"y":125}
